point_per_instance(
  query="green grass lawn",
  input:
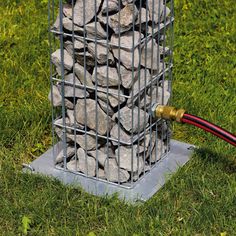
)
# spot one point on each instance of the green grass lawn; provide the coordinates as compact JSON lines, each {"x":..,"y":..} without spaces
{"x":199,"y":200}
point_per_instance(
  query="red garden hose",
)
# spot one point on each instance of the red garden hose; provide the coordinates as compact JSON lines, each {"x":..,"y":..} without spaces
{"x":179,"y":115}
{"x":209,"y":127}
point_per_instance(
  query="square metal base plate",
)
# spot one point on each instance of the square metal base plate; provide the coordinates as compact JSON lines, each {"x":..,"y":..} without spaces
{"x":144,"y":189}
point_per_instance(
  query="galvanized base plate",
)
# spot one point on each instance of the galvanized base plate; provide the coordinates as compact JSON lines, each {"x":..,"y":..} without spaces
{"x":144,"y":189}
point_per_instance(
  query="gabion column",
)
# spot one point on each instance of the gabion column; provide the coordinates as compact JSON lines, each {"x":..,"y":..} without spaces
{"x":110,"y":61}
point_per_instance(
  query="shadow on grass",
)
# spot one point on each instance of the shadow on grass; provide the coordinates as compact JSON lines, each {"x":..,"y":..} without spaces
{"x":225,"y":162}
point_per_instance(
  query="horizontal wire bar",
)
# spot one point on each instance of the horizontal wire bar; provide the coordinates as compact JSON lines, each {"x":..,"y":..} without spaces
{"x":126,"y":185}
{"x":154,"y":79}
{"x":101,"y":41}
{"x":137,"y":137}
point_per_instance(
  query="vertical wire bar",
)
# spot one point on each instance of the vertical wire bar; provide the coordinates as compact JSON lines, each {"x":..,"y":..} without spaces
{"x":170,"y":63}
{"x":119,"y":126}
{"x":163,"y":81}
{"x":63,"y":86}
{"x":132,"y":107}
{"x":107,"y":88}
{"x":85,"y":87}
{"x":96,"y":85}
{"x":157,"y":87}
{"x":51,"y":81}
{"x":139,"y":95}
{"x":151,"y":85}
{"x":74,"y":99}
{"x":145,"y":90}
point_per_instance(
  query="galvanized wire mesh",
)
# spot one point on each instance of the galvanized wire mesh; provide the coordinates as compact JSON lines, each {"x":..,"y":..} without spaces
{"x":110,"y":61}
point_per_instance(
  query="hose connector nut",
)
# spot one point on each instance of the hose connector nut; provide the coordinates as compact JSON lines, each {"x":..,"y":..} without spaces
{"x":167,"y":112}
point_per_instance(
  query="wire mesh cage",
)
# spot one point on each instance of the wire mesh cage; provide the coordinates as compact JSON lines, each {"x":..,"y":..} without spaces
{"x":110,"y":61}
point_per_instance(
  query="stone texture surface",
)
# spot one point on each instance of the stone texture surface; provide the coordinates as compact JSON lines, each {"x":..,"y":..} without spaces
{"x":55,"y":95}
{"x":68,"y":25}
{"x":127,"y":161}
{"x":106,"y":107}
{"x":124,"y":136}
{"x":143,"y":16}
{"x":84,"y":76}
{"x":157,"y":151}
{"x":84,"y":11}
{"x":114,"y":98}
{"x":84,"y":164}
{"x":85,"y":141}
{"x":78,"y":46}
{"x":128,"y":58}
{"x":155,"y":8}
{"x":56,"y":59}
{"x":93,"y":112}
{"x":106,"y":76}
{"x":115,"y":174}
{"x":110,"y":6}
{"x":70,"y":151}
{"x":101,"y":52}
{"x":100,"y":156}
{"x":87,"y":57}
{"x":128,"y":77}
{"x":137,"y":115}
{"x":123,"y":21}
{"x":95,"y":31}
{"x":150,"y":57}
{"x":72,"y":121}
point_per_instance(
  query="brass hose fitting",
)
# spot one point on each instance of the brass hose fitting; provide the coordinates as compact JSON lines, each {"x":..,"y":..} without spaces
{"x":167,"y":112}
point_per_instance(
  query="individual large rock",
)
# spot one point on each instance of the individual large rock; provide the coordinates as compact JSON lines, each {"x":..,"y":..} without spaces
{"x":72,"y":79}
{"x":107,"y":149}
{"x":113,"y":96}
{"x":85,"y":164}
{"x":115,"y":174}
{"x":86,"y":141}
{"x":124,"y":137}
{"x":128,"y":77}
{"x":83,"y":75}
{"x":93,"y":113}
{"x":125,"y":2}
{"x":143,"y":17}
{"x":158,"y":151}
{"x":87,"y":57}
{"x":94,"y":30}
{"x":67,"y":10}
{"x":124,"y":19}
{"x":158,"y":96}
{"x":166,"y":12}
{"x":72,"y":121}
{"x":141,"y":82}
{"x":68,"y":25}
{"x":134,"y":116}
{"x":106,"y":107}
{"x":57,"y":60}
{"x":70,"y":151}
{"x":84,"y":11}
{"x":150,"y":57}
{"x":78,"y":46}
{"x":101,"y":174}
{"x":106,"y":76}
{"x":127,"y":160}
{"x":110,"y":6}
{"x":72,"y":91}
{"x":55,"y":98}
{"x":101,"y":53}
{"x":99,"y":156}
{"x":128,"y":58}
{"x":155,"y":8}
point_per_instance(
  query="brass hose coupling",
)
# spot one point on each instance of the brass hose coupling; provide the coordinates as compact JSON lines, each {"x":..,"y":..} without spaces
{"x":167,"y":112}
